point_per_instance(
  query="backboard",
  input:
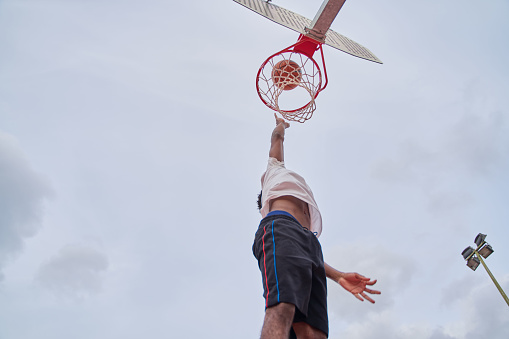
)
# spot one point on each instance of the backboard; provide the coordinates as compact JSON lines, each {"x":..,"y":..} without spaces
{"x":301,"y":24}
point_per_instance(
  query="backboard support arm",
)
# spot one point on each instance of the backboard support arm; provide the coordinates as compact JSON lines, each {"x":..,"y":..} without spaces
{"x":323,"y":19}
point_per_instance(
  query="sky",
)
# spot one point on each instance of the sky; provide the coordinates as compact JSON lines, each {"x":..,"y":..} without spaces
{"x":132,"y":142}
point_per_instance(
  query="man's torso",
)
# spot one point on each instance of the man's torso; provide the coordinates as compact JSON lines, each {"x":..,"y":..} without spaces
{"x":296,"y":207}
{"x":287,"y":191}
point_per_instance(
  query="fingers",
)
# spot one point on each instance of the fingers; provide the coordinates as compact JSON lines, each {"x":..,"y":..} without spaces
{"x":361,"y":277}
{"x":278,"y":119}
{"x":363,"y":295}
{"x":281,"y":121}
{"x":367,"y":298}
{"x":358,"y":297}
{"x":370,"y":290}
{"x":360,"y":291}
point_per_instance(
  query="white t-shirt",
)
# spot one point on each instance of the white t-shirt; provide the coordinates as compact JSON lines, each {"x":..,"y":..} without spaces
{"x":277,"y":181}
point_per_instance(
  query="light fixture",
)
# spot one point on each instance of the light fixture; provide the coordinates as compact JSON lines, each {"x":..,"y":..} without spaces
{"x":473,"y":262}
{"x":467,"y":252}
{"x":474,"y":257}
{"x":479,"y":239}
{"x":486,"y":251}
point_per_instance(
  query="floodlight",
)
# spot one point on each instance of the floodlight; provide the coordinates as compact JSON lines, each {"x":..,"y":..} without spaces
{"x":479,"y":239}
{"x":486,"y":251}
{"x":474,"y":257}
{"x":473,"y":262}
{"x":467,"y":252}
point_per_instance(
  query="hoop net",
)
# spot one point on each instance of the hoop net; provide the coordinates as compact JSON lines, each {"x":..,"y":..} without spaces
{"x":280,"y":91}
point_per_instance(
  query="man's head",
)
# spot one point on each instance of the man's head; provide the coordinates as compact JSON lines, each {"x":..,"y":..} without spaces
{"x":259,"y":201}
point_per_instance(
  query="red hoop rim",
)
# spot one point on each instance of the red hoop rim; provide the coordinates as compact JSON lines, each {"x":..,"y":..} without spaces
{"x":306,"y":50}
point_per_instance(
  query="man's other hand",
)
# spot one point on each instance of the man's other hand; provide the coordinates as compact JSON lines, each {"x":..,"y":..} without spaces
{"x":357,"y":285}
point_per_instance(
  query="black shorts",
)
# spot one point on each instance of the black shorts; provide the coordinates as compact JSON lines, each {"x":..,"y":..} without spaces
{"x":291,"y":262}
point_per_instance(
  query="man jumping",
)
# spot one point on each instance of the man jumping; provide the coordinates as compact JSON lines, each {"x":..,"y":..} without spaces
{"x":290,"y":256}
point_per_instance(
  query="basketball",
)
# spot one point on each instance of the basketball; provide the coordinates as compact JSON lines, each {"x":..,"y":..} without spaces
{"x":286,"y":75}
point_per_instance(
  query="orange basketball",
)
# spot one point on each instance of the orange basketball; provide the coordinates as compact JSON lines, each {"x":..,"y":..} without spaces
{"x":286,"y":74}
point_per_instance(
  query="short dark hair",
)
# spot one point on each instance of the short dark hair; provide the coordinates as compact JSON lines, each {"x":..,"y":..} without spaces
{"x":259,"y":201}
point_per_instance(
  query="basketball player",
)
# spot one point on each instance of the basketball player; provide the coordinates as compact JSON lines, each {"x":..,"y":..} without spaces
{"x":290,"y":256}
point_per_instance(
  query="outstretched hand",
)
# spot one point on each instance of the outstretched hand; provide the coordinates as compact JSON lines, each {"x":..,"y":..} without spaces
{"x":281,"y":121}
{"x":356,"y":284}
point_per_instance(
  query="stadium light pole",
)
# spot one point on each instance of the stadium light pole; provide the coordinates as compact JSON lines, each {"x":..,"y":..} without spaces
{"x":474,"y":257}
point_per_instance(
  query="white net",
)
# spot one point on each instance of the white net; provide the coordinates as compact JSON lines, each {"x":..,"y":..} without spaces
{"x":288,"y":80}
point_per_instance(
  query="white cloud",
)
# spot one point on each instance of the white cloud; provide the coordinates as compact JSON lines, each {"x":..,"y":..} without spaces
{"x":482,"y":308}
{"x":476,"y":306}
{"x":478,"y":142}
{"x":387,"y":326}
{"x":77,"y":270}
{"x":471,"y":147}
{"x":474,"y":144}
{"x":407,"y":166}
{"x":22,"y":194}
{"x":393,"y":271}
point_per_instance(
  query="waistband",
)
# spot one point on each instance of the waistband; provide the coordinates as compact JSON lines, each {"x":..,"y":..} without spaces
{"x":277,"y":212}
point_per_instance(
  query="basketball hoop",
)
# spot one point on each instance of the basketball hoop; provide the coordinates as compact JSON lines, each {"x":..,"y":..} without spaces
{"x":292,"y":78}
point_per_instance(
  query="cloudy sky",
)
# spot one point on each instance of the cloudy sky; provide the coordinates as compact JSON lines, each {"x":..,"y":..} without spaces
{"x":132,"y":142}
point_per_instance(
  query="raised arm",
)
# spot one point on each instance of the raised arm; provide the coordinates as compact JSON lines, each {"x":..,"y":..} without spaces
{"x":352,"y":282}
{"x":277,"y":139}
